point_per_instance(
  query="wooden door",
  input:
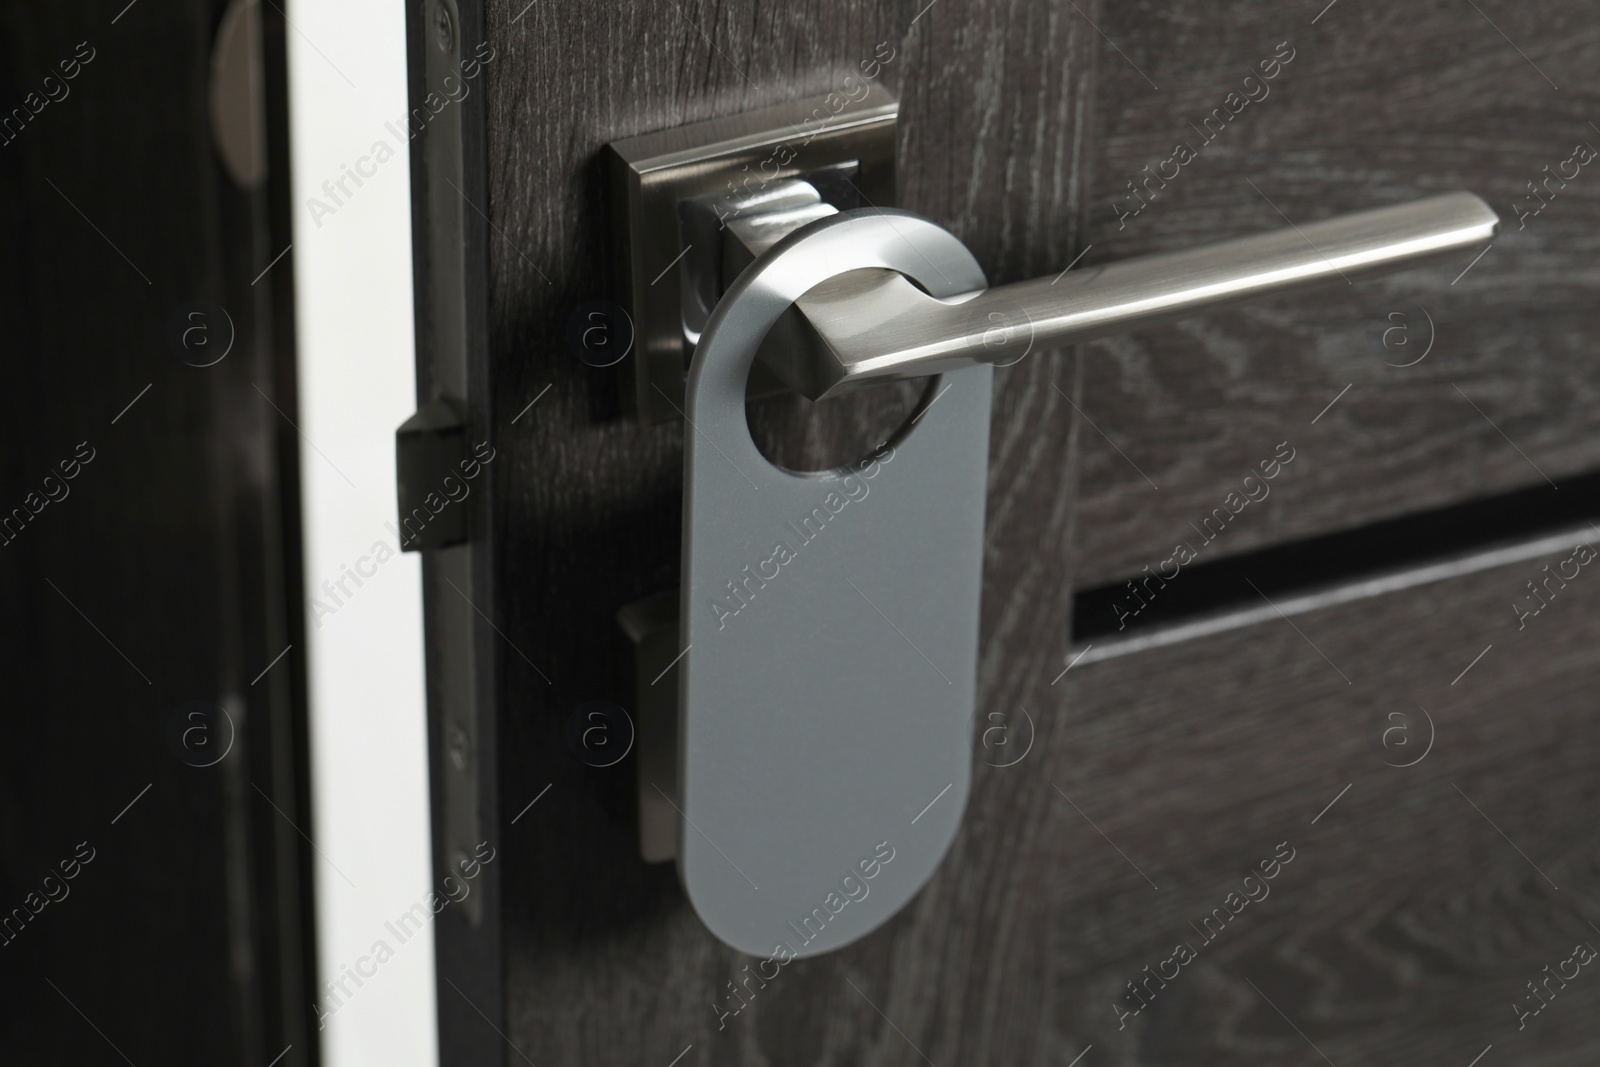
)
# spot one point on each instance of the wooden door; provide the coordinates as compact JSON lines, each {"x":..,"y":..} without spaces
{"x":1324,"y":796}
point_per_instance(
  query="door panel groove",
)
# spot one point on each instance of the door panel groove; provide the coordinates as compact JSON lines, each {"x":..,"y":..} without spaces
{"x":1168,"y":593}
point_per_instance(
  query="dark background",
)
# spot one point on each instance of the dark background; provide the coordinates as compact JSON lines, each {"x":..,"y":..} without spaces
{"x":167,"y":575}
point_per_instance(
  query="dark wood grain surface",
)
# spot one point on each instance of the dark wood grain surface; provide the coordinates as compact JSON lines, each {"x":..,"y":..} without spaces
{"x":606,"y":962}
{"x":1409,"y":920}
{"x":1406,"y":924}
{"x":1381,"y":103}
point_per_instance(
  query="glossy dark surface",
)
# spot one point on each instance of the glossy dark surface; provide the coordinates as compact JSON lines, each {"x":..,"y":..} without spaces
{"x":162,"y":579}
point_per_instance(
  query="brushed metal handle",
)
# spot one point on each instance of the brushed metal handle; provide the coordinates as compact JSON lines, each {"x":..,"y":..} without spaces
{"x":776,"y":669}
{"x":873,"y":324}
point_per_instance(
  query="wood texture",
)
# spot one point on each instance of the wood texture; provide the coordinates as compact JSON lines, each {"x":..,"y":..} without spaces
{"x":1381,"y":103}
{"x":1406,"y":924}
{"x":606,"y":963}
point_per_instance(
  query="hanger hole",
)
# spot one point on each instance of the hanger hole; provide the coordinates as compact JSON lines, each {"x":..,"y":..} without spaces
{"x":813,"y":437}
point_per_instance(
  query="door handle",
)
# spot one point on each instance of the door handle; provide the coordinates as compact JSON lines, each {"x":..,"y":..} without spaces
{"x":829,"y":621}
{"x":874,"y":325}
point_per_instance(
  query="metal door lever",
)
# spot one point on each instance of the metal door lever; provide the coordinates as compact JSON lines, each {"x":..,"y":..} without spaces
{"x":874,"y":324}
{"x":827,"y":621}
{"x":843,"y":604}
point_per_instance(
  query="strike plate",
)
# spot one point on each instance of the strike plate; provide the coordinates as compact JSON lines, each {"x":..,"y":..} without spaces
{"x":831,"y":624}
{"x":674,"y":190}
